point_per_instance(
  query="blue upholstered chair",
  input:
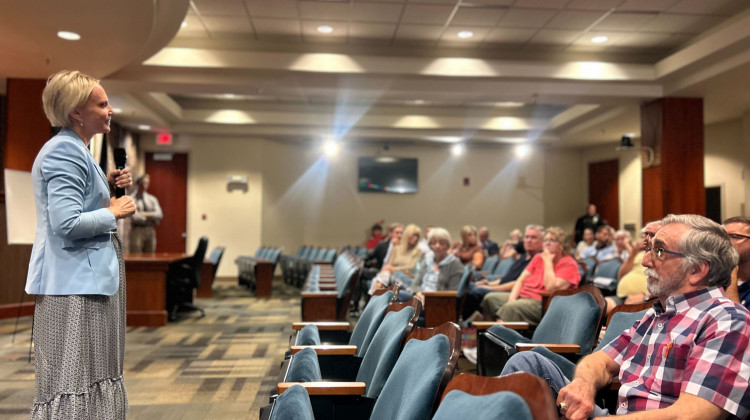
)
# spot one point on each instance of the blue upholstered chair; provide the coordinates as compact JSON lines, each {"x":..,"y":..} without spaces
{"x":294,"y":404}
{"x":621,"y":320}
{"x":570,"y":325}
{"x":516,"y":396}
{"x":605,"y":276}
{"x":446,"y":305}
{"x":590,"y":264}
{"x":487,"y":268}
{"x":501,"y":269}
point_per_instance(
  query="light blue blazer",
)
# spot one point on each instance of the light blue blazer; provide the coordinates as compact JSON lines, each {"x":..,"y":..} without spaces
{"x":73,"y":252}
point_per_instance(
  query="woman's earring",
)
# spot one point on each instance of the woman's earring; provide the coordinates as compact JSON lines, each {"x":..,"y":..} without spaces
{"x":81,"y":123}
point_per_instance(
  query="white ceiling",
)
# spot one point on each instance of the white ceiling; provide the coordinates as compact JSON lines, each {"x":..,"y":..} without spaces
{"x":392,"y":70}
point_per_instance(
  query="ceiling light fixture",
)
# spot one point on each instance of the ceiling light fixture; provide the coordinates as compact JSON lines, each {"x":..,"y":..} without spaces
{"x":325,"y":29}
{"x":117,"y":110}
{"x":183,"y":24}
{"x":600,"y":39}
{"x":522,"y":150}
{"x":331,"y":148}
{"x":144,"y":127}
{"x":465,"y":34}
{"x":457,"y":149}
{"x":509,"y":104}
{"x":68,"y":35}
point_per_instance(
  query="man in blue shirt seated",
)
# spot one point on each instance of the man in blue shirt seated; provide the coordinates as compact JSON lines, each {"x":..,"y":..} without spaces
{"x":604,"y":248}
{"x":738,"y":229}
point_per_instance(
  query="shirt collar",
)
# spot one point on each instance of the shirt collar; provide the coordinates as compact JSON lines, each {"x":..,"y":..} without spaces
{"x":447,"y":260}
{"x":683,"y":302}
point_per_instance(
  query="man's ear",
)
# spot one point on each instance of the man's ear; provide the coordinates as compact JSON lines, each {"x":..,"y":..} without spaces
{"x":697,"y":273}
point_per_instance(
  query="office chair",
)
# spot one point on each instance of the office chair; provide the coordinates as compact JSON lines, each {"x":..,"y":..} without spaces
{"x":183,"y":277}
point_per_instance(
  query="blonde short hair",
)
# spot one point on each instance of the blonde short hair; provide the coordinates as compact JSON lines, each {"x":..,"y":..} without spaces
{"x":439,"y":234}
{"x":466,"y":231}
{"x":65,"y":91}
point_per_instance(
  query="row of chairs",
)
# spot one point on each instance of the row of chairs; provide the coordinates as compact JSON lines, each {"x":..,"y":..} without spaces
{"x":360,"y":251}
{"x":247,"y":266}
{"x":603,"y":274}
{"x":494,"y":268}
{"x":399,"y":371}
{"x":328,"y":289}
{"x":295,"y":268}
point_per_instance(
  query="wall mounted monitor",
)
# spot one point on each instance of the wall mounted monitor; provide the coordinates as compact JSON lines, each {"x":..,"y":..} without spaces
{"x":385,"y":174}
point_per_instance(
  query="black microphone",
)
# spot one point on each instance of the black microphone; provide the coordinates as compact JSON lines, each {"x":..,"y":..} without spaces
{"x":120,"y":159}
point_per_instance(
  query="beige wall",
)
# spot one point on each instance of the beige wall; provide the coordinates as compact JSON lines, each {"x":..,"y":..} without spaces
{"x":725,"y":165}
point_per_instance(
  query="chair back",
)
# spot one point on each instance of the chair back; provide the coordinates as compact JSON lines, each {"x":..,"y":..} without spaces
{"x":293,"y":404}
{"x":503,"y":266}
{"x":490,"y":263}
{"x":215,"y":258}
{"x":590,"y":264}
{"x":196,"y":261}
{"x":369,"y":321}
{"x":533,"y":390}
{"x":412,"y":388}
{"x":608,"y":269}
{"x":383,"y":351}
{"x":619,"y":323}
{"x":572,"y":319}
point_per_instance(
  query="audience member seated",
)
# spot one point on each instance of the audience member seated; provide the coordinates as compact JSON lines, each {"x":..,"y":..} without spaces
{"x":489,"y":246}
{"x":403,"y":261}
{"x":631,"y":284}
{"x":738,"y":229}
{"x":439,"y":270}
{"x":532,"y":242}
{"x":513,"y":246}
{"x":623,"y":242}
{"x":552,"y":270}
{"x":587,"y":241}
{"x":374,"y":262}
{"x":469,"y":251}
{"x":687,"y":357}
{"x":603,"y":249}
{"x":376,"y":235}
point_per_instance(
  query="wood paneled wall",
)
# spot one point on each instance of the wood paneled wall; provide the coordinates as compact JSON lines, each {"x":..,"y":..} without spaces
{"x":26,"y":129}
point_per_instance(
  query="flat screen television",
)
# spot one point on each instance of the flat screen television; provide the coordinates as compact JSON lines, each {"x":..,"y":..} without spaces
{"x":388,"y":175}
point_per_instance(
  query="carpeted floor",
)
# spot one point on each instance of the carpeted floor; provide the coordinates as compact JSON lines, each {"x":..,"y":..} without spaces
{"x":222,"y":366}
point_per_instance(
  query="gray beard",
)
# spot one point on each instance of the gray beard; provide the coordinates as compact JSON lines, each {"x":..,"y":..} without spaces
{"x":660,"y":286}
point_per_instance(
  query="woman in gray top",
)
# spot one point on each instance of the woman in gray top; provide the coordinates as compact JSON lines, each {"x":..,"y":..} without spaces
{"x":439,"y":270}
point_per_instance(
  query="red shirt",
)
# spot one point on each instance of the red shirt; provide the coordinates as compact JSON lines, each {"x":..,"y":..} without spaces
{"x":566,"y":269}
{"x":373,"y":242}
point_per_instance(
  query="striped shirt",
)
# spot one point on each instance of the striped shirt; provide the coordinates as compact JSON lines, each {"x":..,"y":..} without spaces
{"x":697,"y":345}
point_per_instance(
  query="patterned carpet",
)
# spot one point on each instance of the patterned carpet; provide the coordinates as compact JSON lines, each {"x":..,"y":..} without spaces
{"x":222,"y":366}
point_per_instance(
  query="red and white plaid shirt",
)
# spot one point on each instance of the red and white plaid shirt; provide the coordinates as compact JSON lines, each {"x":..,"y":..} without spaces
{"x":697,"y":345}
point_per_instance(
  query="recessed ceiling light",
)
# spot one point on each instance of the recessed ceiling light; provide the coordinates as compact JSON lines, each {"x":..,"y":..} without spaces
{"x":229,"y":95}
{"x":465,"y":34}
{"x":509,"y":104}
{"x":457,"y":149}
{"x":418,"y":102}
{"x":600,"y":39}
{"x":117,"y":110}
{"x":68,"y":35}
{"x":325,"y":29}
{"x":183,"y":24}
{"x":331,"y":148}
{"x":144,"y":127}
{"x":522,"y":150}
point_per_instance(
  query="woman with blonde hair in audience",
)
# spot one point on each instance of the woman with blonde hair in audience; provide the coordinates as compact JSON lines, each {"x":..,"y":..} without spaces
{"x":469,"y":250}
{"x":440,"y":270}
{"x":403,"y":261}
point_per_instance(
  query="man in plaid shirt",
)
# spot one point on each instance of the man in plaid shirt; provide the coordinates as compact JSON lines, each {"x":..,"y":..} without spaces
{"x":688,"y":357}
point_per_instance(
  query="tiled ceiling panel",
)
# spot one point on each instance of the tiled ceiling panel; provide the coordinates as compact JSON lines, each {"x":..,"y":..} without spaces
{"x":268,"y":26}
{"x":378,"y":31}
{"x":324,"y":10}
{"x":624,"y":21}
{"x":376,"y":12}
{"x":426,"y":14}
{"x":310,"y":29}
{"x":220,"y":7}
{"x":602,"y":5}
{"x":419,"y":32}
{"x":482,"y":16}
{"x":526,"y":18}
{"x":273,"y":8}
{"x":647,"y":5}
{"x":688,"y":24}
{"x":573,"y":20}
{"x":228,"y":25}
{"x":541,"y":4}
{"x":510,"y":35}
{"x":555,"y":37}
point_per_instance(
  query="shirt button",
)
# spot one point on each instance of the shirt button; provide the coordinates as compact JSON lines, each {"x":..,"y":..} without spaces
{"x":635,"y":382}
{"x":623,"y":405}
{"x":659,"y":325}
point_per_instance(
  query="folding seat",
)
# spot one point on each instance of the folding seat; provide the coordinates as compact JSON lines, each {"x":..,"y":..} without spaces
{"x":487,"y":268}
{"x":570,"y":326}
{"x":501,"y":269}
{"x":446,"y":305}
{"x":605,"y":276}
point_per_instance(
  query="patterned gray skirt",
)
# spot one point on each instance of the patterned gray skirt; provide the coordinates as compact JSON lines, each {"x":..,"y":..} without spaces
{"x":79,"y":347}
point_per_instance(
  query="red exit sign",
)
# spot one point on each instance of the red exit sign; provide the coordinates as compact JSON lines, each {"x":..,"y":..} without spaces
{"x":164,"y":139}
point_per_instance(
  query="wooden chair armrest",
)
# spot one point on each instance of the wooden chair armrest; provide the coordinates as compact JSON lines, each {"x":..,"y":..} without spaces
{"x":442,"y":293}
{"x":555,"y":348}
{"x":326,"y":388}
{"x":324,"y":326}
{"x":326,"y":286}
{"x":328,"y":349}
{"x":318,"y":295}
{"x":323,"y":262}
{"x":484,"y":325}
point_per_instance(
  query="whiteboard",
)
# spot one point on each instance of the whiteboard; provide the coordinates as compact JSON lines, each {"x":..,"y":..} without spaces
{"x":20,"y":208}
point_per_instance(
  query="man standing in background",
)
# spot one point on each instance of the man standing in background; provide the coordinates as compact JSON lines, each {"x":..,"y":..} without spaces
{"x":589,"y":220}
{"x":147,"y":215}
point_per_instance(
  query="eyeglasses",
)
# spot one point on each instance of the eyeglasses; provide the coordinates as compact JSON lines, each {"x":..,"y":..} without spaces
{"x":658,"y":253}
{"x":550,"y":240}
{"x":738,"y":237}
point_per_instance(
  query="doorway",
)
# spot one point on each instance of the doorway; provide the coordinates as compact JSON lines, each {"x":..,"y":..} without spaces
{"x":604,"y":190}
{"x":169,"y":184}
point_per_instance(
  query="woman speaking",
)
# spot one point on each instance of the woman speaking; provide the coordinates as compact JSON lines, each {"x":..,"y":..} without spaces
{"x":76,"y":268}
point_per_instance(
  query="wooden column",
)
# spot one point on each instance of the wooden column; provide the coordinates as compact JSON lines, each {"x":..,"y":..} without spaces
{"x":25,"y":129}
{"x":673,"y":128}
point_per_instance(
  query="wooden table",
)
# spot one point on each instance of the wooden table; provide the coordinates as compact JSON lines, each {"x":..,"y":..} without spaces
{"x":146,"y":276}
